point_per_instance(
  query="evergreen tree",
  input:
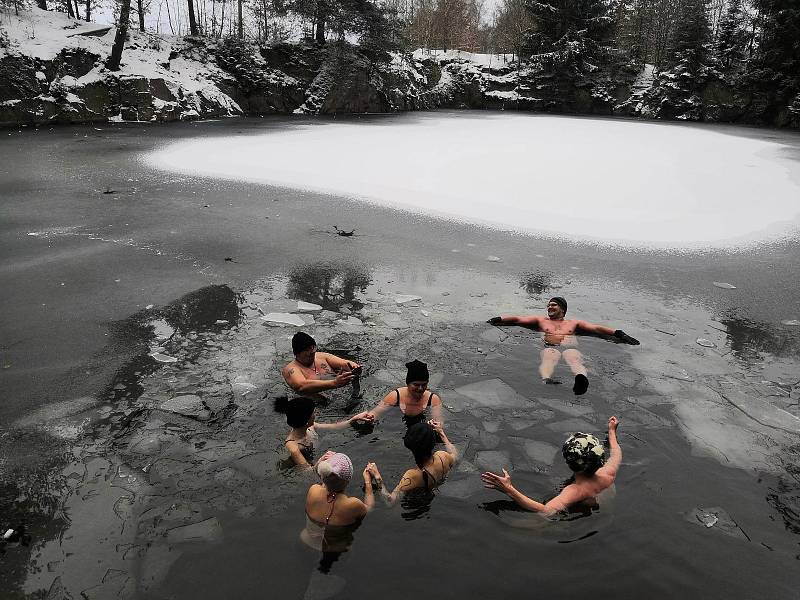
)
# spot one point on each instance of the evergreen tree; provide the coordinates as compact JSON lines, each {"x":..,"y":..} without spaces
{"x":569,"y":46}
{"x":773,"y":74}
{"x":731,"y":38}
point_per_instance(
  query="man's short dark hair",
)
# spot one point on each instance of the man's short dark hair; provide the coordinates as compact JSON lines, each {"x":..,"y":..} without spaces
{"x":302,"y":341}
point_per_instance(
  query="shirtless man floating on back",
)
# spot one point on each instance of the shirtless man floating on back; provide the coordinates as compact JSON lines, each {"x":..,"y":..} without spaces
{"x":560,"y":332}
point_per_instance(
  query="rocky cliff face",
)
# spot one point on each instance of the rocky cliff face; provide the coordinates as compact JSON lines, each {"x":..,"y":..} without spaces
{"x":168,"y":78}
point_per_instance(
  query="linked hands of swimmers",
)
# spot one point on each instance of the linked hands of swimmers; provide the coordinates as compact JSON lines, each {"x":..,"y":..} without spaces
{"x":372,"y":468}
{"x":437,"y":426}
{"x":363,"y":417}
{"x":368,"y":473}
{"x":613,"y":423}
{"x":493,"y":481}
{"x":625,"y":338}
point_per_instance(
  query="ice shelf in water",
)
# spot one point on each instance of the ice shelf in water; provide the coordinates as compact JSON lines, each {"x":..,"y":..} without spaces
{"x":618,"y":161}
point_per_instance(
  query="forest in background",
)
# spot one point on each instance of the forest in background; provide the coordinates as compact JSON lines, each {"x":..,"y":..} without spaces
{"x":700,"y":59}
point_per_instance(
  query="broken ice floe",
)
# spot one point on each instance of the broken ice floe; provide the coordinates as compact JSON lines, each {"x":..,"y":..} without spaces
{"x":494,"y":259}
{"x":493,"y":393}
{"x":705,"y":343}
{"x":308,"y":307}
{"x":283,"y":319}
{"x":162,"y":358}
{"x":188,"y":405}
{"x":791,"y":322}
{"x":406,"y":298}
{"x":717,"y":518}
{"x":724,"y":285}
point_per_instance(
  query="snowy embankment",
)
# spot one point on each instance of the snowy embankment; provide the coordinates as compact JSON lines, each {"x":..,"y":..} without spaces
{"x":638,"y":184}
{"x":52,"y":70}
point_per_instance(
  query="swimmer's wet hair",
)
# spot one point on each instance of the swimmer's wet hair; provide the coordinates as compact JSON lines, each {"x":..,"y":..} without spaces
{"x":420,"y":439}
{"x":302,"y":341}
{"x":299,"y":411}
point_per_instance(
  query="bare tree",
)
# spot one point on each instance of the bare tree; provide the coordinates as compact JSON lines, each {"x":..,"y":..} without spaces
{"x":192,"y":20}
{"x":119,"y":39}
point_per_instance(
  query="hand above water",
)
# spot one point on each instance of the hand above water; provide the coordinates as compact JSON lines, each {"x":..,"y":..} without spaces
{"x":363,"y":417}
{"x":501,"y":483}
{"x":437,"y":426}
{"x":495,"y":321}
{"x":343,"y":378}
{"x":625,"y":338}
{"x":613,"y":423}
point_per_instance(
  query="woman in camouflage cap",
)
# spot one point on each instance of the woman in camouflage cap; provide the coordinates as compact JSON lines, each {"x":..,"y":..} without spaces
{"x":585,"y":456}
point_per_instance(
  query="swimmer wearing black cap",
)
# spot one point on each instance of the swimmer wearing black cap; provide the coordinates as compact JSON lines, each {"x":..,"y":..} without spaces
{"x":312,"y":372}
{"x":414,"y":398}
{"x":585,"y":456}
{"x":559,"y":331}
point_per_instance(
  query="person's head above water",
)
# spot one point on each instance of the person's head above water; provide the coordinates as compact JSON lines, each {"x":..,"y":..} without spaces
{"x":556,"y":307}
{"x":299,"y":412}
{"x":304,"y":347}
{"x":336,"y":471}
{"x":421,"y":440}
{"x":584,"y":453}
{"x":417,"y":377}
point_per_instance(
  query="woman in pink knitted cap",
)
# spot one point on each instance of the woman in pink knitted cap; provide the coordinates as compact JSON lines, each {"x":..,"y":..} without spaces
{"x":332,"y":515}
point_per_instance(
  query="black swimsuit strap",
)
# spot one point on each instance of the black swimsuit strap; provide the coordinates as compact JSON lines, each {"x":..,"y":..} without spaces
{"x":397,"y":393}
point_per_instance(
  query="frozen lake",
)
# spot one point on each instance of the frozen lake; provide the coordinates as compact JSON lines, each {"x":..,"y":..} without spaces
{"x":625,"y":182}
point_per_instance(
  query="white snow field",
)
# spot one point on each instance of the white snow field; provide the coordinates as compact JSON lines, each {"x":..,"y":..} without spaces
{"x":630,"y":183}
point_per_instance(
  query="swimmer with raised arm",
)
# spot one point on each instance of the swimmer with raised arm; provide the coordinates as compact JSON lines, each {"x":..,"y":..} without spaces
{"x":312,"y":372}
{"x":432,"y":467}
{"x":300,"y":416}
{"x":559,"y":332}
{"x":414,"y":398}
{"x":585,"y":456}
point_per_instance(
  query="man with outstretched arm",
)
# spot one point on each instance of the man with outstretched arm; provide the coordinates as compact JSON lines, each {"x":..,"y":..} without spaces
{"x":585,"y":455}
{"x":312,"y":372}
{"x":560,"y":332}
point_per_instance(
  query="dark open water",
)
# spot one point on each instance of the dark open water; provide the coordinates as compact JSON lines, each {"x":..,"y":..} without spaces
{"x":105,"y":486}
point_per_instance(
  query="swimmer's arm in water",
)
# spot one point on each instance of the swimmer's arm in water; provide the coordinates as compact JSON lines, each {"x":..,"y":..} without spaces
{"x":296,"y":380}
{"x":296,"y":455}
{"x":614,"y":461}
{"x":338,"y":364}
{"x":592,"y":329}
{"x":388,"y":401}
{"x":529,"y":322}
{"x":448,"y":445}
{"x":369,"y":497}
{"x":436,"y":408}
{"x":502,"y":483}
{"x":362,"y":416}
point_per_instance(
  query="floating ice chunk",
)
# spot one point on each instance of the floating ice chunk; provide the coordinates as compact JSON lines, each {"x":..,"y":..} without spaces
{"x":188,"y":405}
{"x":221,"y":322}
{"x":406,"y":298}
{"x":541,"y":452}
{"x":494,"y":259}
{"x":148,"y":307}
{"x":717,"y":518}
{"x":205,"y":531}
{"x":462,"y":488}
{"x":724,"y":285}
{"x":705,"y":343}
{"x":394,"y":321}
{"x":243,"y":387}
{"x":791,"y":322}
{"x":56,"y":412}
{"x":163,"y":330}
{"x":493,"y":460}
{"x":352,"y":321}
{"x":308,"y":307}
{"x":162,"y":358}
{"x":425,"y":313}
{"x":283,"y":319}
{"x":494,"y":393}
{"x":573,"y":410}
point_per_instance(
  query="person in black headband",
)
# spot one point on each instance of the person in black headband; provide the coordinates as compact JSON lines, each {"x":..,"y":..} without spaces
{"x":312,"y":372}
{"x":414,"y":398}
{"x":558,"y":333}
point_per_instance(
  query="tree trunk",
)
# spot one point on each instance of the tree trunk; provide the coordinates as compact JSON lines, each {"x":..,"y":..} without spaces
{"x":87,"y":10}
{"x":70,"y":9}
{"x":241,"y":25}
{"x":140,"y":8}
{"x":192,"y":21}
{"x":77,"y":14}
{"x":119,"y":38}
{"x":319,"y":33}
{"x":42,"y":4}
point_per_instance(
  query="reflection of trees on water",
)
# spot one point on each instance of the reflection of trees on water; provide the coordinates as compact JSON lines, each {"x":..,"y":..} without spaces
{"x":328,"y":284}
{"x":748,"y":339}
{"x":536,"y":283}
{"x":201,"y":309}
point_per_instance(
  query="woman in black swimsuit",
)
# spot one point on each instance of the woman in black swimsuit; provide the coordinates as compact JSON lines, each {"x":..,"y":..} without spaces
{"x":413,"y":399}
{"x":432,"y":467}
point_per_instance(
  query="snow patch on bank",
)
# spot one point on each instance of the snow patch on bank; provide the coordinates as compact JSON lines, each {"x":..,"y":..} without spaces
{"x":630,"y":183}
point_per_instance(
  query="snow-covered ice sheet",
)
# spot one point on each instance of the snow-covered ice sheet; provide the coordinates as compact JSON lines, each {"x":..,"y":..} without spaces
{"x":626,"y":182}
